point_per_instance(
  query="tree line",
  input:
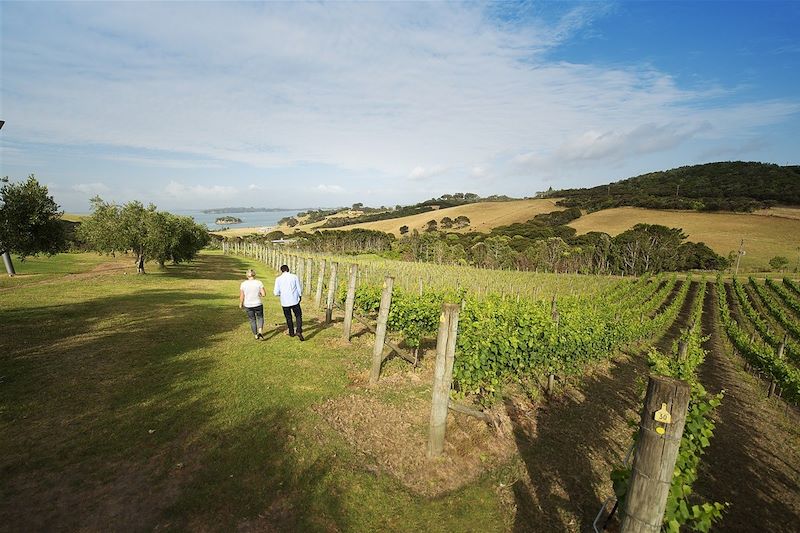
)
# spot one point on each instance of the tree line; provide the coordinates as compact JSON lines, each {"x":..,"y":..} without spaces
{"x":543,"y":243}
{"x":145,"y":232}
{"x":721,"y":186}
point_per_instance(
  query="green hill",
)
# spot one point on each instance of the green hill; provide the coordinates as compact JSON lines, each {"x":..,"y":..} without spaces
{"x":728,"y":186}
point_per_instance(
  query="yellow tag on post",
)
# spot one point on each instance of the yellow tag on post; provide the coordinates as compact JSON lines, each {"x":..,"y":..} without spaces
{"x":662,"y":415}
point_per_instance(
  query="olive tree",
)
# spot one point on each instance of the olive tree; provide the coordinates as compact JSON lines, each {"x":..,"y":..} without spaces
{"x":29,"y":220}
{"x":145,"y":232}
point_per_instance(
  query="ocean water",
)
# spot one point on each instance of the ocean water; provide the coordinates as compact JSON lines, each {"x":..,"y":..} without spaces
{"x":249,"y":220}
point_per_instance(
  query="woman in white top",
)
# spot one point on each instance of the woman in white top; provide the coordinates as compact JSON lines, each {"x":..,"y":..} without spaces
{"x":250,"y":292}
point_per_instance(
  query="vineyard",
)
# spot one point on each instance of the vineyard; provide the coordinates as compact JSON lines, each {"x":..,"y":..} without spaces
{"x":183,"y":421}
{"x":520,"y":326}
{"x":534,"y":330}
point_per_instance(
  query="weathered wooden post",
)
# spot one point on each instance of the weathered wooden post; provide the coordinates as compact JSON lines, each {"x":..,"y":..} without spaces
{"x":683,"y":347}
{"x":331,"y":293}
{"x":307,"y":284}
{"x":320,"y":282}
{"x":300,"y":272}
{"x":442,"y":377}
{"x":782,"y":347}
{"x":554,"y":311}
{"x":380,"y":329}
{"x":660,"y":431}
{"x":350,"y":301}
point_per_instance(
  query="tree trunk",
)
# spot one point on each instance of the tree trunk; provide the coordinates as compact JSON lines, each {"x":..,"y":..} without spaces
{"x":140,"y":264}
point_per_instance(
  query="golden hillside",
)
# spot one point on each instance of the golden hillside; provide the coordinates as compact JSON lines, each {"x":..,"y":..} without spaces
{"x":483,"y":216}
{"x":766,"y":233}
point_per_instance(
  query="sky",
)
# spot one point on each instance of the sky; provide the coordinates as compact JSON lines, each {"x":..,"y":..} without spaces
{"x":198,"y":105}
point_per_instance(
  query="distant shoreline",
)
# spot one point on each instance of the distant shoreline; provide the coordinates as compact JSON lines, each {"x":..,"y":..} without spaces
{"x":223,"y":210}
{"x":237,"y":232}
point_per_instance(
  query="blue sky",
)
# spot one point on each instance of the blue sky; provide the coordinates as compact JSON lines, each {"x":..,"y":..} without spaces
{"x":192,"y":105}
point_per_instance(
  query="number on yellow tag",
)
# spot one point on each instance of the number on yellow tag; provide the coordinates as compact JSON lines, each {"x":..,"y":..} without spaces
{"x":662,"y":415}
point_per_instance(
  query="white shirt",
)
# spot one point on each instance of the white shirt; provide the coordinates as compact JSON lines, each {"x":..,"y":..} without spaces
{"x":252,"y":292}
{"x":289,"y":288}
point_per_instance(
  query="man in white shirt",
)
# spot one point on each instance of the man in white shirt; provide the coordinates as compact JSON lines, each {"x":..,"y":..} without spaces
{"x":290,"y":290}
{"x":250,"y":293}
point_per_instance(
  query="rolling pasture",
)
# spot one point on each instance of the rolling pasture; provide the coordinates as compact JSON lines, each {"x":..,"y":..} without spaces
{"x":765,"y":234}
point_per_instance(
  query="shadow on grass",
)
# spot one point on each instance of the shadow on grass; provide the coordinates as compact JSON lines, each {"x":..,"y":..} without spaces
{"x":213,"y":267}
{"x":568,"y":458}
{"x":114,"y":416}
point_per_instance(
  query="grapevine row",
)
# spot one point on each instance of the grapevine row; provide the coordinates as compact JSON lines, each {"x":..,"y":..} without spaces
{"x":791,"y":301}
{"x":774,"y":340}
{"x":681,"y":511}
{"x":795,"y":286}
{"x":776,"y":310}
{"x":760,"y":356}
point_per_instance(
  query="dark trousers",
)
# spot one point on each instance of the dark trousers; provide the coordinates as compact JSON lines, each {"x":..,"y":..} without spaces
{"x":298,"y":315}
{"x":256,"y":317}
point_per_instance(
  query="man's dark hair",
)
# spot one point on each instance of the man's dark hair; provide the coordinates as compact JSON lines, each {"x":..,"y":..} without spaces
{"x":284,"y":268}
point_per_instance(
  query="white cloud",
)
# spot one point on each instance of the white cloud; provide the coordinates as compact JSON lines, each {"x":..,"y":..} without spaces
{"x":180,"y":190}
{"x":165,"y":162}
{"x":610,"y":145}
{"x":357,"y":88}
{"x":335,"y":189}
{"x":478,"y":172}
{"x":91,"y":188}
{"x":421,"y":173}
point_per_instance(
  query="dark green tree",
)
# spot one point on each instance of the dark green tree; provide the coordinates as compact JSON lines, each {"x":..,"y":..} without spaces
{"x":145,"y":232}
{"x":779,"y":262}
{"x":29,"y":219}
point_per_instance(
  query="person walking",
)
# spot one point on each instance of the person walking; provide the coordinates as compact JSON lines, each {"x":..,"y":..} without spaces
{"x":250,"y":292}
{"x":290,"y":290}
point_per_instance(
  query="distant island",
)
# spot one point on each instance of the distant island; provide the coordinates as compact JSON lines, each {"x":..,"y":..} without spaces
{"x":228,"y":220}
{"x":247,"y":210}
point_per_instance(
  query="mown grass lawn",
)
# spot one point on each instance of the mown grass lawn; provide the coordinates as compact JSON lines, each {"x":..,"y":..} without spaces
{"x":143,"y":402}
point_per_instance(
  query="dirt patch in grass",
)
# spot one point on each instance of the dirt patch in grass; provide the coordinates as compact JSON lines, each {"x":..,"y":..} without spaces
{"x":394,"y":435}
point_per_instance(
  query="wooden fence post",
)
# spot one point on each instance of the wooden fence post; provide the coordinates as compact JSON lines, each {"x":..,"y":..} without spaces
{"x":782,"y":346}
{"x":320,"y":282}
{"x":301,"y":271}
{"x":442,"y":377}
{"x":380,"y":329}
{"x":683,"y":347}
{"x":307,"y":284}
{"x":350,"y":301}
{"x":331,"y":294}
{"x":771,"y":389}
{"x":660,"y":430}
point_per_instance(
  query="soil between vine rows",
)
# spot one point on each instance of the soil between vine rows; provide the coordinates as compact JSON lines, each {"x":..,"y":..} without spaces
{"x":753,"y":462}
